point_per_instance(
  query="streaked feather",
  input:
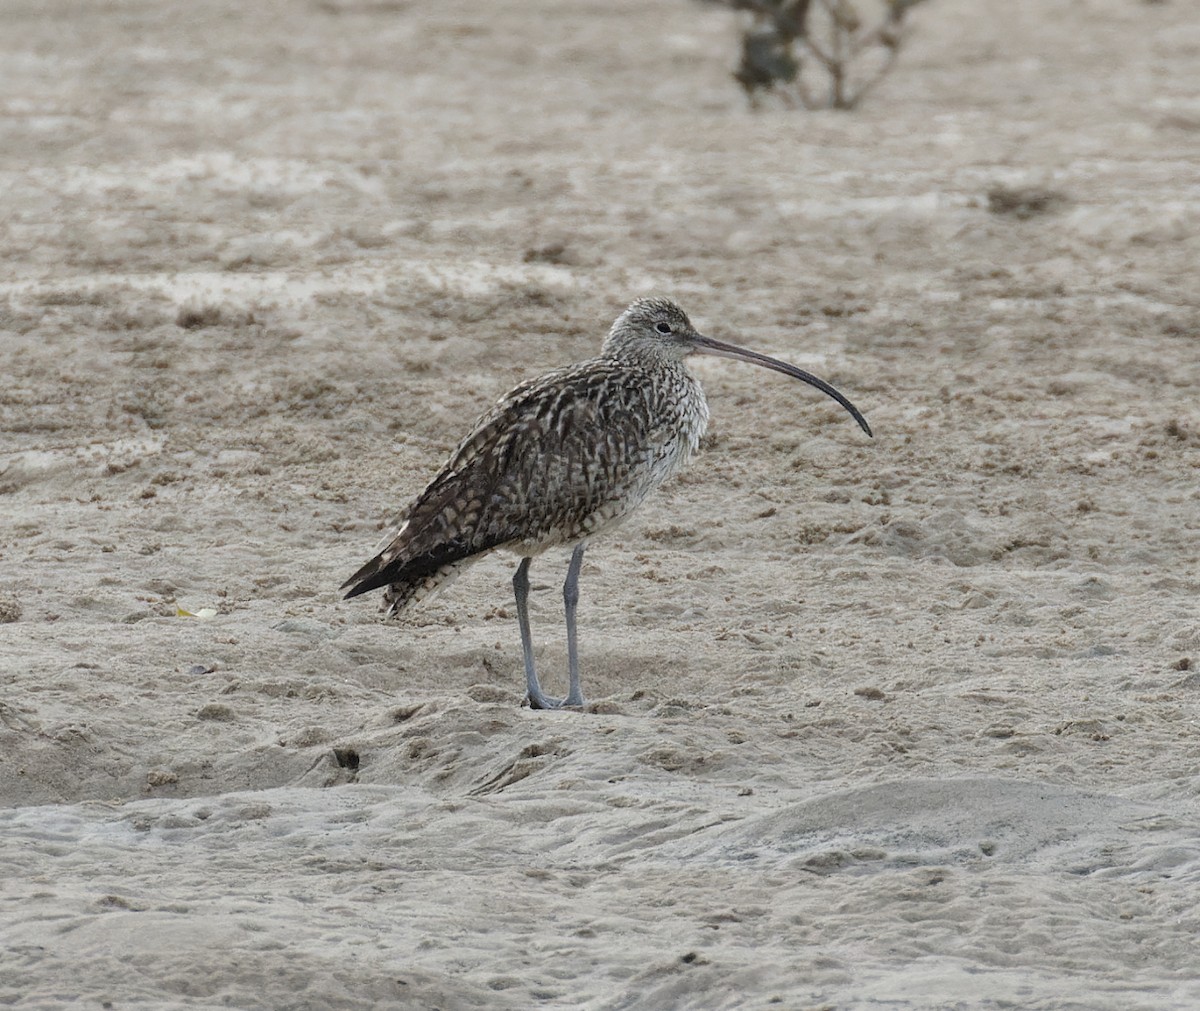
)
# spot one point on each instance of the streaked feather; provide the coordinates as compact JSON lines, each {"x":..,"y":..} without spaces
{"x":556,"y":460}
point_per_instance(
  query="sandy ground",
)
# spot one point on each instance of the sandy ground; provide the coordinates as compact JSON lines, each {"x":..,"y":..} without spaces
{"x":905,"y":723}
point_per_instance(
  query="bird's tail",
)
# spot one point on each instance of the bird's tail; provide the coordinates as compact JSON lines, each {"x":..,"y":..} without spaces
{"x":410,"y":577}
{"x":414,"y":591}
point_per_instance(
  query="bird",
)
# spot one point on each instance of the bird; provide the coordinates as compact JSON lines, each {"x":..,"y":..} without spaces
{"x":558,"y":460}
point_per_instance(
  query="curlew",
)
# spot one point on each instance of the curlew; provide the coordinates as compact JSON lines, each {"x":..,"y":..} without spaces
{"x":558,"y":460}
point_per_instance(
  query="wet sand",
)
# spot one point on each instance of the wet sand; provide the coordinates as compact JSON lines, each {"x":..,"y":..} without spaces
{"x":908,"y":722}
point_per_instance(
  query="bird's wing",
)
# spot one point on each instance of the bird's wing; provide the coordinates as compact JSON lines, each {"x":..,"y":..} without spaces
{"x":526,"y":465}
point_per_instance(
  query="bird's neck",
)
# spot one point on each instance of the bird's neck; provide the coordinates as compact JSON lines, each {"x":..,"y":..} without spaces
{"x":648,"y":355}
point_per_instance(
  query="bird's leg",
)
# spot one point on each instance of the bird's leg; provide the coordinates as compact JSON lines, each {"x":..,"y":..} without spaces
{"x":570,"y":599}
{"x":521,"y":589}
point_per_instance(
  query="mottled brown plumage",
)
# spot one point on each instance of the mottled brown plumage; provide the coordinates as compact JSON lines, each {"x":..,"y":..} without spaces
{"x":559,"y":459}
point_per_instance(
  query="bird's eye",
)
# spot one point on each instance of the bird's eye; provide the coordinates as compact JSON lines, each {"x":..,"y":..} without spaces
{"x":662,"y":327}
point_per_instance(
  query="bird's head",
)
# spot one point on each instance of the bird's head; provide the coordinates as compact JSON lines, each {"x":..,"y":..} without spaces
{"x":652,"y":326}
{"x":656,"y":330}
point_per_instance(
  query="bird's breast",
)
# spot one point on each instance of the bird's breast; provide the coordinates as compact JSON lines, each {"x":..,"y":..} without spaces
{"x":685,"y":419}
{"x":597,"y":446}
{"x":657,"y":431}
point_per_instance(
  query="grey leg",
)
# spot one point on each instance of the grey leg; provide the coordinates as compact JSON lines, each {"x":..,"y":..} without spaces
{"x":521,"y":589}
{"x":570,"y":599}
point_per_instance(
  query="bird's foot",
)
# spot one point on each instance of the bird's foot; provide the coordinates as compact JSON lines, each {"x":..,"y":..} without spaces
{"x":539,"y":701}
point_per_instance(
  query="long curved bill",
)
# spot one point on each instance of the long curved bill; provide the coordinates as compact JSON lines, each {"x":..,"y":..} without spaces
{"x":708,"y":346}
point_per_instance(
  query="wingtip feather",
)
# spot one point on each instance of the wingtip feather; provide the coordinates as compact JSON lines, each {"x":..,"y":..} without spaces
{"x":365,"y":579}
